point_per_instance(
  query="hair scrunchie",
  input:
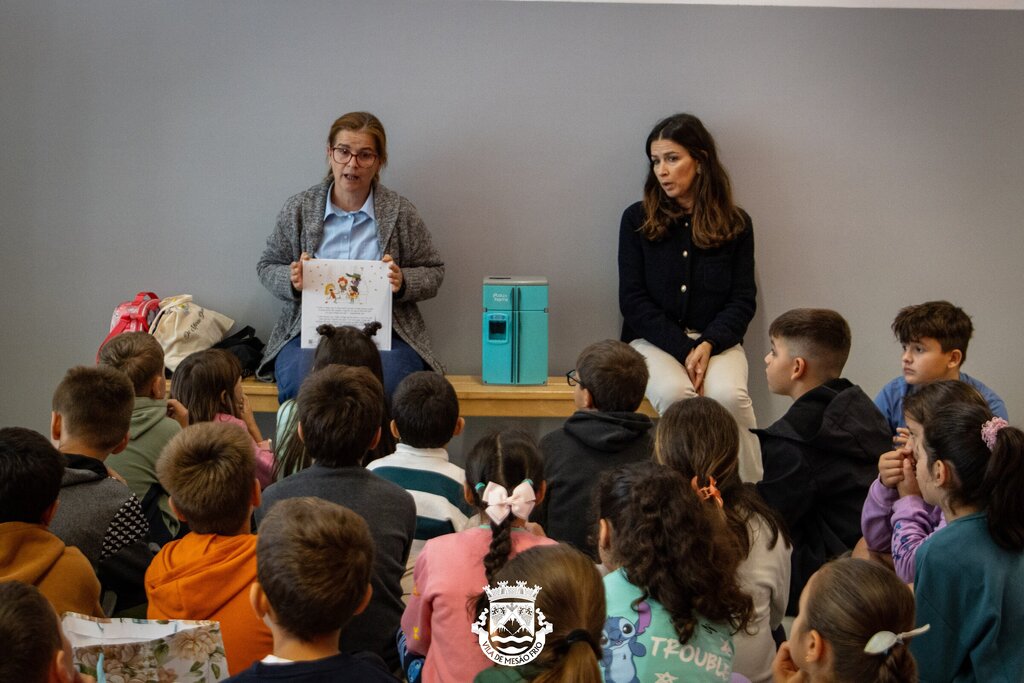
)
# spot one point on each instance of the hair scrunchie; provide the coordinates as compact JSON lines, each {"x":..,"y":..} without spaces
{"x":990,"y":430}
{"x":580,"y":635}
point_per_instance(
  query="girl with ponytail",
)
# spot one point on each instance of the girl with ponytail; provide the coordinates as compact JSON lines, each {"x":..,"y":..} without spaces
{"x":673,"y":596}
{"x":572,"y":600}
{"x":504,"y":480}
{"x":344,"y":345}
{"x":855,"y":621}
{"x":970,"y":575}
{"x":697,"y":438}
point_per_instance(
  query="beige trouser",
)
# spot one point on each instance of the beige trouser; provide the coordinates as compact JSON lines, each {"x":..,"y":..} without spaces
{"x":725,"y":381}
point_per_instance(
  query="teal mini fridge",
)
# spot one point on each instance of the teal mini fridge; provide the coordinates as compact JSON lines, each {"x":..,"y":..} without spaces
{"x":515,"y":330}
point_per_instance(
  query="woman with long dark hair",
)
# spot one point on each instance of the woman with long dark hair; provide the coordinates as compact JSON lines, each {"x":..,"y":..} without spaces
{"x":686,"y":278}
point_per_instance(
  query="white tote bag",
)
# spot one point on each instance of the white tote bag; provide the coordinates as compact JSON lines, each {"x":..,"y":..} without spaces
{"x":183,"y":327}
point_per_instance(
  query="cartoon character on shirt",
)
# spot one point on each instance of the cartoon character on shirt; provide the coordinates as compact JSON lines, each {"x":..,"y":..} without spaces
{"x":619,"y":641}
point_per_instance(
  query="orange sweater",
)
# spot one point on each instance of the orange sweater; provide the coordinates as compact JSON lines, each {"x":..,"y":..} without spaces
{"x":31,"y":554}
{"x":205,"y":576}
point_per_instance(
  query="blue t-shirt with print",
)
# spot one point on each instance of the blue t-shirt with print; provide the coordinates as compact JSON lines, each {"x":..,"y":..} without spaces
{"x":641,"y":645}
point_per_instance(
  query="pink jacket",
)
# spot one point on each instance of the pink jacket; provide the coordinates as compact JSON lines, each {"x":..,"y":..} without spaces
{"x":264,"y":456}
{"x":437,"y":621}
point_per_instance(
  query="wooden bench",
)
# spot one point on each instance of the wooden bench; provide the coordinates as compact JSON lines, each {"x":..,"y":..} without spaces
{"x":476,"y":399}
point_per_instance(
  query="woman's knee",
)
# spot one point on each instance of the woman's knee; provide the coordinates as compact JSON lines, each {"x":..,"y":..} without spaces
{"x":663,"y":394}
{"x":733,"y":397}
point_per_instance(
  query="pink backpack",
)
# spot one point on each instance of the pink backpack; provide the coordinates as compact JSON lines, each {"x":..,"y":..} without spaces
{"x":136,"y":315}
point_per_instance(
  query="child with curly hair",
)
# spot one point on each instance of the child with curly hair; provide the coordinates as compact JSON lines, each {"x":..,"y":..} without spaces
{"x":697,"y":438}
{"x":673,"y":594}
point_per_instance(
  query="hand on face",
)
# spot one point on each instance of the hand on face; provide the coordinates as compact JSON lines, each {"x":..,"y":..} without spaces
{"x":908,"y":485}
{"x":784,"y":669}
{"x":177,"y":411}
{"x":890,"y":468}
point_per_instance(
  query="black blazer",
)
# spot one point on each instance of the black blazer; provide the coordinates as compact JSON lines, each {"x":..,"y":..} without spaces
{"x":669,"y":286}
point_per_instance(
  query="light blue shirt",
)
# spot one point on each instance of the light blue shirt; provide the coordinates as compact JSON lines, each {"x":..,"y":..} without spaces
{"x":349,"y":234}
{"x":890,"y":399}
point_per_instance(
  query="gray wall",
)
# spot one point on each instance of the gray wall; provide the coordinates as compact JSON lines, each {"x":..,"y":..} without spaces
{"x":149,"y":145}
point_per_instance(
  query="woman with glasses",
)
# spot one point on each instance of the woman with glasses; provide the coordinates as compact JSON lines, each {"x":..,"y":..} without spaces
{"x":686,"y":278}
{"x":350,"y":215}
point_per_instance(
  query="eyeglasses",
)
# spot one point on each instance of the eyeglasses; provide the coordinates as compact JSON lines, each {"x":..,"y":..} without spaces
{"x":572,"y":378}
{"x":363,"y":157}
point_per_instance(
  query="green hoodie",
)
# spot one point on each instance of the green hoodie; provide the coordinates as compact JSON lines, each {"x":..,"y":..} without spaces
{"x":150,"y":431}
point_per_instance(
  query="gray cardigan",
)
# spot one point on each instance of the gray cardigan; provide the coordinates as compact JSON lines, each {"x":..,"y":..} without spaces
{"x":300,"y":228}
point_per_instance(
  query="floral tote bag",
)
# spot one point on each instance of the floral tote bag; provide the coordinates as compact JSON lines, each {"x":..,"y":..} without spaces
{"x":147,"y":651}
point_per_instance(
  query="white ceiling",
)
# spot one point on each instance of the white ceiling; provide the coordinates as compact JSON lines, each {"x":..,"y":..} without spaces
{"x":880,"y":4}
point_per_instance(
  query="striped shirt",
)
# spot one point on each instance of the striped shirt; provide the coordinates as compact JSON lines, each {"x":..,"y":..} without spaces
{"x":436,"y":485}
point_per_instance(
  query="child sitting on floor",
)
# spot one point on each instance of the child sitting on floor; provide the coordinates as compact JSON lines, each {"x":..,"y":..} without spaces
{"x":934,"y":336}
{"x":33,"y":648}
{"x":339,"y":421}
{"x":854,"y":626}
{"x":896,"y":520}
{"x":820,"y":457}
{"x":673,"y":594}
{"x":344,"y":345}
{"x":697,"y":438}
{"x":572,"y":600}
{"x":92,"y":410}
{"x":426,"y":413}
{"x":155,"y":421}
{"x":605,"y":432}
{"x":30,"y":474}
{"x":209,"y":385}
{"x":969,"y":580}
{"x":208,"y":470}
{"x":314,"y":560}
{"x":504,"y":479}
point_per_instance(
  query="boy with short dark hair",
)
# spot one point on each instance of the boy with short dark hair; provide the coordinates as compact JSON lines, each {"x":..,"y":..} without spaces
{"x":604,"y":433}
{"x":92,"y":409}
{"x":314,"y":561}
{"x":155,"y":421}
{"x":934,"y":336}
{"x":425,"y":412}
{"x":210,"y":473}
{"x":30,"y":474}
{"x":33,"y":648}
{"x":339,"y":413}
{"x":821,"y":456}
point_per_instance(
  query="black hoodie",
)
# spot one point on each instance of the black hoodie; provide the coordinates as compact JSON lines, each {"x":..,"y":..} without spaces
{"x":589,"y":443}
{"x":819,"y":460}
